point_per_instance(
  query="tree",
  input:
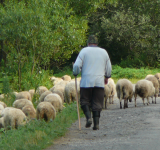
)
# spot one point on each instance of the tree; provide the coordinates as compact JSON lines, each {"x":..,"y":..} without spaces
{"x":129,"y":30}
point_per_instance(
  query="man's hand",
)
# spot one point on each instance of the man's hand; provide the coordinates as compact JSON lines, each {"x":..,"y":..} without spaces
{"x":105,"y":80}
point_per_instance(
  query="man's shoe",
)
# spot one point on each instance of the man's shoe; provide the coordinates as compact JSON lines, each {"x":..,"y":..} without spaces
{"x":87,"y":112}
{"x":96,"y":116}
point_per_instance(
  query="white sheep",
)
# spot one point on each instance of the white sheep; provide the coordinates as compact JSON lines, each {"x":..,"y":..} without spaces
{"x":24,"y":95}
{"x":149,"y":75}
{"x":1,"y":122}
{"x":1,"y":96}
{"x":59,"y":86}
{"x":32,"y":92}
{"x":106,"y":95}
{"x":5,"y":110}
{"x":13,"y":118}
{"x":78,"y":79}
{"x":41,"y":98}
{"x":145,"y":89}
{"x":14,"y":93}
{"x":112,"y":88}
{"x":66,"y":78}
{"x":55,"y":80}
{"x":1,"y":107}
{"x":157,"y":75}
{"x":134,"y":89}
{"x":29,"y":111}
{"x":70,"y":92}
{"x":124,"y":90}
{"x":60,"y":94}
{"x":41,"y":89}
{"x":20,"y":103}
{"x":2,"y":103}
{"x":155,"y":82}
{"x":55,"y":100}
{"x":46,"y":111}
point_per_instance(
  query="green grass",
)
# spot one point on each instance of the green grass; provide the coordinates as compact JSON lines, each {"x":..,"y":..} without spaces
{"x":39,"y":134}
{"x":132,"y":73}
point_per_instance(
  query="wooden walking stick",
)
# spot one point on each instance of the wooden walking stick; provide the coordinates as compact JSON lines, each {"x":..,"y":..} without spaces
{"x":77,"y":103}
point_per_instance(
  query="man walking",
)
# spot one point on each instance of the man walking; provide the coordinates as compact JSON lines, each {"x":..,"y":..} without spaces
{"x":94,"y":64}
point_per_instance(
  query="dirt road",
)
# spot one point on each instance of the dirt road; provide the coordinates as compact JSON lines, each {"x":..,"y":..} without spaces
{"x":120,"y":129}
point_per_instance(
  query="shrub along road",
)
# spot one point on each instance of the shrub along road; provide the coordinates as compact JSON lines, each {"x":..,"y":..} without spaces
{"x":134,"y":128}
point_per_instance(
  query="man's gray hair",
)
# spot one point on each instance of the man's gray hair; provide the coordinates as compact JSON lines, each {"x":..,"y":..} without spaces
{"x":92,"y":39}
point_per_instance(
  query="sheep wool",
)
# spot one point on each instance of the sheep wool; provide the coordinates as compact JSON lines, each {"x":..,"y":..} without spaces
{"x":124,"y":90}
{"x":112,"y":88}
{"x":2,"y":103}
{"x":1,"y":107}
{"x":1,"y":96}
{"x":24,"y":95}
{"x":1,"y":122}
{"x":149,"y":75}
{"x":13,"y":118}
{"x":70,"y":92}
{"x":106,"y":95}
{"x":66,"y":78}
{"x":46,"y":111}
{"x":155,"y":82}
{"x":55,"y":80}
{"x":55,"y":100}
{"x":20,"y":103}
{"x":145,"y":89}
{"x":60,"y":94}
{"x":41,"y":89}
{"x":59,"y":86}
{"x":29,"y":111}
{"x":41,"y":98}
{"x":32,"y":92}
{"x":5,"y":110}
{"x":157,"y":75}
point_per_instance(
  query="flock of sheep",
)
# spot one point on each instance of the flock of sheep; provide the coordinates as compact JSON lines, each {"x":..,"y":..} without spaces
{"x":50,"y":103}
{"x":145,"y":88}
{"x":51,"y":100}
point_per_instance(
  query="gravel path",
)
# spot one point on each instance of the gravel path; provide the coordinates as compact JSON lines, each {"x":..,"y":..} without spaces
{"x":120,"y":129}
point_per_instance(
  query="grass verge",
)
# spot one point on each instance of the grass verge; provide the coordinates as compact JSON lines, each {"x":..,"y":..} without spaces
{"x":39,"y":134}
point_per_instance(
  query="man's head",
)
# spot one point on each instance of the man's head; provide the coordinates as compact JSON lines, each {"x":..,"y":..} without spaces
{"x":92,"y":40}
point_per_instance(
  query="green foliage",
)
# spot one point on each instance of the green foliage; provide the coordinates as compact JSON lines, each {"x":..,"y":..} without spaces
{"x":39,"y":33}
{"x":128,"y":29}
{"x":6,"y":85}
{"x":129,"y":73}
{"x":135,"y":62}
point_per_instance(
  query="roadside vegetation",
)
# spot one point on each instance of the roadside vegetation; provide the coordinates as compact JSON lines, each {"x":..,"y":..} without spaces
{"x":41,"y":38}
{"x":39,"y":134}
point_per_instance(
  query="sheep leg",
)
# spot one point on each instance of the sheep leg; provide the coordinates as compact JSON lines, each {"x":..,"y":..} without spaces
{"x":135,"y":100}
{"x":105,"y":103}
{"x":112,"y":100}
{"x":147,"y":100}
{"x":143,"y":101}
{"x":120,"y":104}
{"x":126,"y":103}
{"x":155,"y":99}
{"x":152,"y":100}
{"x":125,"y":106}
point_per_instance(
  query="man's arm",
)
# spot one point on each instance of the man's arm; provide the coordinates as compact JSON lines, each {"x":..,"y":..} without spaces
{"x":108,"y":71}
{"x":77,"y":66}
{"x":105,"y":80}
